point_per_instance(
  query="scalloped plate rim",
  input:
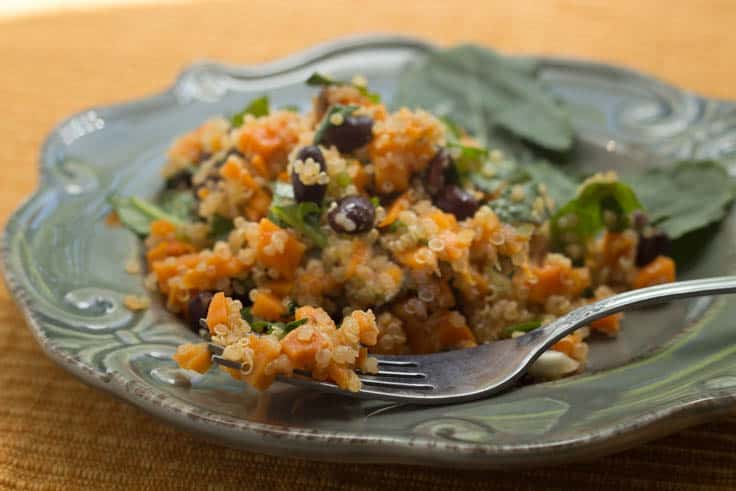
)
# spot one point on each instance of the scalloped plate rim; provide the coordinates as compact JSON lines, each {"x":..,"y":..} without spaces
{"x":269,"y":438}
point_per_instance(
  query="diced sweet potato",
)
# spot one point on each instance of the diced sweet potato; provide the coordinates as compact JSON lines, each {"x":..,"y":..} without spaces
{"x":168,"y":248}
{"x":616,"y":246}
{"x":345,"y":378}
{"x":217,"y":312}
{"x":281,"y":288}
{"x":453,"y":331}
{"x":391,"y":176}
{"x":608,"y":325}
{"x":162,"y":228}
{"x":359,"y":256}
{"x":265,"y":350}
{"x":284,"y":260}
{"x":193,"y":357}
{"x":267,"y":306}
{"x":443,"y":330}
{"x":419,"y":259}
{"x":557,"y":279}
{"x":660,"y":270}
{"x":315,"y":315}
{"x":302,"y":344}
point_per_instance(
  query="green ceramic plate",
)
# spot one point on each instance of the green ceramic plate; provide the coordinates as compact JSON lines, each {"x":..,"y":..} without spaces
{"x":672,"y":366}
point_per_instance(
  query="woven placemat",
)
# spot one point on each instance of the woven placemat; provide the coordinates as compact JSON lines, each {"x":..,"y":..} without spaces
{"x":56,"y":433}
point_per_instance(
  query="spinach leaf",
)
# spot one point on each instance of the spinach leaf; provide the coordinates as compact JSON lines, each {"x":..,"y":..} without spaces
{"x":137,"y":214}
{"x":303,"y":217}
{"x":257,"y":107}
{"x":261,"y":326}
{"x":686,"y":196}
{"x":488,"y":92}
{"x":584,"y":216}
{"x":344,"y":111}
{"x":220,"y":227}
{"x":320,"y":80}
{"x":559,"y":186}
{"x":178,"y":203}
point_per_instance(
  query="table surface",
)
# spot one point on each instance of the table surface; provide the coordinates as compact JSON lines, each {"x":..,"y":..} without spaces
{"x":58,"y":433}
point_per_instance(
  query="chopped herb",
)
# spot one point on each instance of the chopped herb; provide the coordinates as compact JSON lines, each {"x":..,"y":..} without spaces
{"x":137,"y":214}
{"x":302,"y":217}
{"x":375,"y":201}
{"x":396,"y":226}
{"x":257,"y":107}
{"x":320,"y":80}
{"x":261,"y":326}
{"x":344,"y":111}
{"x":220,"y":227}
{"x":522,"y":327}
{"x":290,"y":326}
{"x":343,"y":179}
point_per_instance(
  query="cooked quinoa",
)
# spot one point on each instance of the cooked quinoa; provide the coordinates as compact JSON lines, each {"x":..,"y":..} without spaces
{"x":321,"y":238}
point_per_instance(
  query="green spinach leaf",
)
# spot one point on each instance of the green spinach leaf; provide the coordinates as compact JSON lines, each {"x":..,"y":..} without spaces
{"x":326,"y":122}
{"x":137,"y":214}
{"x":302,"y":217}
{"x":585,"y":215}
{"x":320,"y":80}
{"x":178,"y":203}
{"x":257,"y":107}
{"x":488,"y":92}
{"x":686,"y":196}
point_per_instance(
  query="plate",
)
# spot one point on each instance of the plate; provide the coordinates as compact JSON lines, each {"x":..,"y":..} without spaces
{"x":671,"y":367}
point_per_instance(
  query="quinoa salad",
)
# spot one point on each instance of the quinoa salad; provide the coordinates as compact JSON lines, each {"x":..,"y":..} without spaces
{"x":307,"y":242}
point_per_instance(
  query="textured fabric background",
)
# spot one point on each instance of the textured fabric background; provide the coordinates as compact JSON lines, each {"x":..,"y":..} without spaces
{"x":56,"y":433}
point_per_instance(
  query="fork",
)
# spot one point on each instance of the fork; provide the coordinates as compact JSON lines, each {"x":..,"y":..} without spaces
{"x":473,"y":373}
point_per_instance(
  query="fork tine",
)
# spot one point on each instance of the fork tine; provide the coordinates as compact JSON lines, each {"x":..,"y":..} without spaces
{"x":391,"y":373}
{"x":395,"y":362}
{"x":226,"y":363}
{"x":394,"y":384}
{"x":217,"y":350}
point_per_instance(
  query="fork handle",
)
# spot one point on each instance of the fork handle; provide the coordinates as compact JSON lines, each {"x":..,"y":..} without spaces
{"x":556,"y":330}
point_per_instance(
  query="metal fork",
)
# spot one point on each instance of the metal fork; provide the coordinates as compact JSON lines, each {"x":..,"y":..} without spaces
{"x":473,"y":373}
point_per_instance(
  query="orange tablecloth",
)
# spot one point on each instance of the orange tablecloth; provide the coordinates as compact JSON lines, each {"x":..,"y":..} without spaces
{"x":57,"y":433}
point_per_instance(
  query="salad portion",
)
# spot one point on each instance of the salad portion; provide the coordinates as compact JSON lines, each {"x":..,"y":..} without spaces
{"x":307,"y":242}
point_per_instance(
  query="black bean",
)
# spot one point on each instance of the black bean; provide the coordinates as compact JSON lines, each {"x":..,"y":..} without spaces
{"x":438,"y":170}
{"x":652,"y":243}
{"x":353,"y":133}
{"x":309,"y":192}
{"x":352,"y":215}
{"x":454,"y":200}
{"x":197,"y":309}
